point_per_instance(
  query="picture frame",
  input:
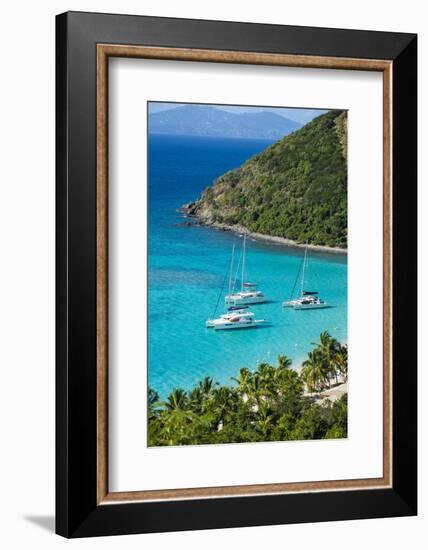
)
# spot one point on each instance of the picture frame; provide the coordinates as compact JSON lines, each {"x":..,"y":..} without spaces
{"x":84,"y":44}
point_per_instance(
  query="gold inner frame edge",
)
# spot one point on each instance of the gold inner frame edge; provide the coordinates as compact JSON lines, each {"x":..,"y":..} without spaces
{"x":104,"y":51}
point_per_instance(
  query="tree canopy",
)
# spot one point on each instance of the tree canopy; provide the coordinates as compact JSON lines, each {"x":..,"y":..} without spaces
{"x":271,"y":403}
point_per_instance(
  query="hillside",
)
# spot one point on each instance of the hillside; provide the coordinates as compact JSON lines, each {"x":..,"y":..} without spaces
{"x":204,"y":120}
{"x":295,"y":189}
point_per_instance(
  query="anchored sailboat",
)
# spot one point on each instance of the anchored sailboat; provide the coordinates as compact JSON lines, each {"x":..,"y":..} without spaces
{"x":239,"y":321}
{"x":248,"y":293}
{"x":236,"y":316}
{"x":308,"y":299}
{"x":231,"y":313}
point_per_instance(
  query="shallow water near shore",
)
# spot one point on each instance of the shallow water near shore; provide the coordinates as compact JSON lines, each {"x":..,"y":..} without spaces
{"x":188,"y":267}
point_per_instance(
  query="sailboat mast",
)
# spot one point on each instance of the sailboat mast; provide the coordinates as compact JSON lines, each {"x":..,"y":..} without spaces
{"x":231,"y":268}
{"x":304,"y":267}
{"x":243,"y":263}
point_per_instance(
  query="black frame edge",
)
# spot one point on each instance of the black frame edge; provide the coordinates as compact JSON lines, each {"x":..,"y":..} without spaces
{"x":191,"y":515}
{"x":238,"y":36}
{"x":77,"y":514}
{"x":404,"y":173}
{"x":61,"y":446}
{"x":76,"y":402}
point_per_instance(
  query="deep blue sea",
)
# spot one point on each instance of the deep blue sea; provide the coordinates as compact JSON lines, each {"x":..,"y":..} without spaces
{"x":187,"y":268}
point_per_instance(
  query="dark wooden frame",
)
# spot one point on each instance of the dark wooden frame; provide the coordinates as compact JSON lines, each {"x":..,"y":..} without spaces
{"x":84,"y":42}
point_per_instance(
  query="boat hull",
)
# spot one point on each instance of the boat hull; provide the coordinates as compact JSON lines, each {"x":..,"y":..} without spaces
{"x":211,"y":323}
{"x":245,"y":300}
{"x":310,"y":306}
{"x":299,"y":304}
{"x":237,"y":326}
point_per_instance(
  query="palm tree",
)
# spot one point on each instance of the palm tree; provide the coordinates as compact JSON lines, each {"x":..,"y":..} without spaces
{"x":313,"y":372}
{"x":264,"y":369}
{"x":197,"y":400}
{"x":328,"y":347}
{"x":243,"y":381}
{"x":222,"y":403}
{"x":264,"y":419}
{"x":176,"y":426}
{"x":177,"y":400}
{"x":341,"y":359}
{"x":284,"y":362}
{"x":206,"y":386}
{"x":268,"y":381}
{"x":255,"y":390}
{"x":288,"y":382}
{"x":153,"y":404}
{"x":176,"y":417}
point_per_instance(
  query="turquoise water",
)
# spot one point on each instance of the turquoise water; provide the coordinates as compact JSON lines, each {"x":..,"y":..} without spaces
{"x":188,"y":265}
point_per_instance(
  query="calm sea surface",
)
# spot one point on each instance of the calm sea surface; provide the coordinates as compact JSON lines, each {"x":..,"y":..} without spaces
{"x":187,"y":269}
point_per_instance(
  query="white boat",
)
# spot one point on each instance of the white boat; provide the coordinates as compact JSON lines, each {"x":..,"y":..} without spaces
{"x":239,"y":322}
{"x":232,"y":311}
{"x":246,"y":298}
{"x":310,"y":302}
{"x":307,"y":299}
{"x":212,"y":323}
{"x":248,"y":294}
{"x":238,"y":315}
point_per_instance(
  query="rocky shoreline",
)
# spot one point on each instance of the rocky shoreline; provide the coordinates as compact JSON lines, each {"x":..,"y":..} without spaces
{"x":189,"y":211}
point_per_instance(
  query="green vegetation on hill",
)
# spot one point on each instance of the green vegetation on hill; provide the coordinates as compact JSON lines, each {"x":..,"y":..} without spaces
{"x":296,"y":188}
{"x":269,"y":404}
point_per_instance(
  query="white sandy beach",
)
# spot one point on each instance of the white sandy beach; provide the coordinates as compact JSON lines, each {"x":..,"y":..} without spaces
{"x":335,"y":393}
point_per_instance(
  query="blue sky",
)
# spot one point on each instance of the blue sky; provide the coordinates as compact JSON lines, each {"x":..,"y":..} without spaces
{"x":299,"y":115}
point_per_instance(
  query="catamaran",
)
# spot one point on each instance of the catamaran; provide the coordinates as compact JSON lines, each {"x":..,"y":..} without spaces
{"x":248,"y":293}
{"x":307,"y":299}
{"x":231,"y":311}
{"x":236,"y":316}
{"x":237,"y":322}
{"x":230,"y":314}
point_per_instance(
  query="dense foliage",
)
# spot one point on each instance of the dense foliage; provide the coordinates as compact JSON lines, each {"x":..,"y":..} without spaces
{"x":268,"y":404}
{"x":296,"y":188}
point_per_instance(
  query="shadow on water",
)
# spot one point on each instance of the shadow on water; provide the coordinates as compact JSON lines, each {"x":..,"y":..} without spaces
{"x":309,"y":309}
{"x":260,"y":327}
{"x":45,"y":522}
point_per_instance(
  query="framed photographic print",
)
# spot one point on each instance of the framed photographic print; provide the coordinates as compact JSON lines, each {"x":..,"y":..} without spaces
{"x":236,"y":274}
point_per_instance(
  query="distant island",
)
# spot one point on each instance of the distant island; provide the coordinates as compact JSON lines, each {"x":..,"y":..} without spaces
{"x":208,"y":121}
{"x":293,"y":191}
